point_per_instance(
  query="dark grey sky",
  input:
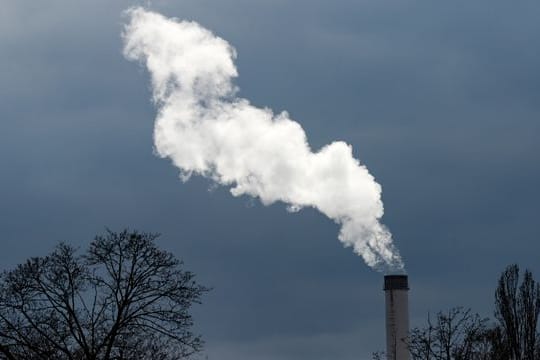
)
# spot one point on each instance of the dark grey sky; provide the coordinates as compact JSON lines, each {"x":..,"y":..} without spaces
{"x":440,"y":100}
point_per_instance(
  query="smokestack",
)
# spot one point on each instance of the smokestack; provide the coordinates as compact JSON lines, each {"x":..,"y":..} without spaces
{"x":396,"y":289}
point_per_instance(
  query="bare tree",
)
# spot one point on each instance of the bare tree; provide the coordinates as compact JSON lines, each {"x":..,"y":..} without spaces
{"x":517,"y":307}
{"x":456,"y":334}
{"x":124,"y":298}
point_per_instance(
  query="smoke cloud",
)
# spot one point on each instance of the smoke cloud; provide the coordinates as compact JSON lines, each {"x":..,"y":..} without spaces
{"x":205,"y":129}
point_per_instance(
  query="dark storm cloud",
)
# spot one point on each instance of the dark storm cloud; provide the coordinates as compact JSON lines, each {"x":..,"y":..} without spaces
{"x":441,"y":101}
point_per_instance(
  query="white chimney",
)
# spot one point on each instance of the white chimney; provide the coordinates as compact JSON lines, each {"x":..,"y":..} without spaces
{"x":396,"y":289}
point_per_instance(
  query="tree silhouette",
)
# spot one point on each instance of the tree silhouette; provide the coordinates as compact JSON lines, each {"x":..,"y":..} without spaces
{"x":456,"y":334}
{"x":459,"y":334}
{"x":517,"y":307}
{"x":123,"y":298}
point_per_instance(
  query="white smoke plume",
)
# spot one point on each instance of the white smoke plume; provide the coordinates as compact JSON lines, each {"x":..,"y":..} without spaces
{"x":205,"y":129}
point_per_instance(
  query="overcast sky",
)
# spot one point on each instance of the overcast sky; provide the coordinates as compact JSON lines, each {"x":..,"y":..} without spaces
{"x":441,"y":101}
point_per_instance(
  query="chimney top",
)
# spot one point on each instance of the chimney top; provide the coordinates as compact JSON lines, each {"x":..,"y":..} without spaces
{"x":396,"y":282}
